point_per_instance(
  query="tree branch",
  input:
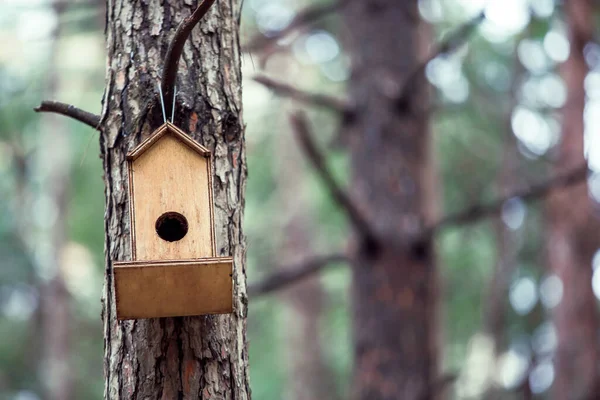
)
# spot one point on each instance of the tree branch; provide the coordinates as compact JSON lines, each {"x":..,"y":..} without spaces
{"x":175,"y":49}
{"x":320,"y":100}
{"x":302,"y":131}
{"x":287,"y":276}
{"x":534,"y":192}
{"x":68,"y":110}
{"x":307,"y":16}
{"x":448,"y":45}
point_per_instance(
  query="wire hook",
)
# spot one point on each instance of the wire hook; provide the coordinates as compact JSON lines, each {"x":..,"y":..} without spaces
{"x":162,"y":103}
{"x":174,"y":101}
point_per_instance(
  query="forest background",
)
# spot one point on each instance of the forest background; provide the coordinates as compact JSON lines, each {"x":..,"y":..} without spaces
{"x":496,"y":122}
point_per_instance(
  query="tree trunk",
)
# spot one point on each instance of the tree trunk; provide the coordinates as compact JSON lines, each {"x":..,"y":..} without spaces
{"x":495,"y":294}
{"x":394,"y":285}
{"x":573,"y":230}
{"x":309,"y":377}
{"x":55,"y":299}
{"x":192,"y":357}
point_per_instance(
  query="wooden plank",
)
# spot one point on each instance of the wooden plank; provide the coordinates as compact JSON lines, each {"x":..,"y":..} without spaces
{"x":171,"y":177}
{"x":203,"y":260}
{"x":173,"y":288}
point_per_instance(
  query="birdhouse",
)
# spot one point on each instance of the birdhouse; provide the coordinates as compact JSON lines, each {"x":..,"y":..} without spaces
{"x":174,"y":270}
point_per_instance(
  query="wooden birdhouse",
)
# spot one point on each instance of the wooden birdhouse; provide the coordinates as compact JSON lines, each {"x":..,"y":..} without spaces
{"x":175,"y":270}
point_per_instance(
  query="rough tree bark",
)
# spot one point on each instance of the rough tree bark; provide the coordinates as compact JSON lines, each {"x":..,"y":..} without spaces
{"x":573,"y":230}
{"x":394,"y":283}
{"x":175,"y":358}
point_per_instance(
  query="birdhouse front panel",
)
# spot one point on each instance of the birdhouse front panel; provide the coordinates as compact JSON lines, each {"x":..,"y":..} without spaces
{"x":174,"y":269}
{"x":171,"y":202}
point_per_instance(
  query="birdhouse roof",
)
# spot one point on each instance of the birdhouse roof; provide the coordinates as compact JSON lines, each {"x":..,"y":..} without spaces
{"x":168,"y":129}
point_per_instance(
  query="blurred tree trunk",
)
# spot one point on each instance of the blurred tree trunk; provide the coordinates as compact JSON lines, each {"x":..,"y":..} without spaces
{"x":55,"y":300}
{"x":494,"y":319}
{"x":394,"y":286}
{"x":175,"y":358}
{"x":309,"y":376}
{"x":496,"y":293}
{"x":573,"y":230}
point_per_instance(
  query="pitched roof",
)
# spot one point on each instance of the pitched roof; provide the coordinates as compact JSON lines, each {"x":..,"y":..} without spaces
{"x":170,"y":129}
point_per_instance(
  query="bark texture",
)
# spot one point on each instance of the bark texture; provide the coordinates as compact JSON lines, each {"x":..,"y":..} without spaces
{"x":394,"y":286}
{"x":573,"y":230}
{"x":175,"y":358}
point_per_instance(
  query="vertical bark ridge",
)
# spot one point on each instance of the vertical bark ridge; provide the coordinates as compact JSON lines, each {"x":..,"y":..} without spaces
{"x":191,"y":357}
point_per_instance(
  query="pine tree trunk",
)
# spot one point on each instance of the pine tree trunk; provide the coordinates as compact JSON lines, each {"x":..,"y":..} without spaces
{"x":495,"y":294}
{"x":394,"y":288}
{"x":57,"y":319}
{"x":175,"y":358}
{"x":309,"y":376}
{"x":573,"y":230}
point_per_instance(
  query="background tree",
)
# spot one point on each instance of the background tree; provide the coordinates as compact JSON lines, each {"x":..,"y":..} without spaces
{"x":56,"y":314}
{"x":394,"y":277}
{"x":572,"y":241}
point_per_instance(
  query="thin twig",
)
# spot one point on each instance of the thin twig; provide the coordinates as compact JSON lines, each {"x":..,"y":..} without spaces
{"x":448,"y":45}
{"x":315,"y":99}
{"x":287,"y":276}
{"x":175,"y":49}
{"x":534,"y":192}
{"x":307,"y":16}
{"x":68,"y":110}
{"x":360,"y":223}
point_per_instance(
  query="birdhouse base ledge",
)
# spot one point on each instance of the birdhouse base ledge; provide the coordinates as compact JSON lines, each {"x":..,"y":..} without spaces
{"x":155,"y":289}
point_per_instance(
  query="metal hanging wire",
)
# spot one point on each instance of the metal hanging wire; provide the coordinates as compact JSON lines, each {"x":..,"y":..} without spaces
{"x":174,"y":101}
{"x":162,"y":103}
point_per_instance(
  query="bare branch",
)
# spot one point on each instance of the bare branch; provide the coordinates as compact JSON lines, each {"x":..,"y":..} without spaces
{"x":175,"y":49}
{"x":534,"y":192}
{"x":302,"y":131}
{"x":448,"y":45}
{"x":305,"y":17}
{"x":287,"y":276}
{"x":68,"y":110}
{"x":321,"y":100}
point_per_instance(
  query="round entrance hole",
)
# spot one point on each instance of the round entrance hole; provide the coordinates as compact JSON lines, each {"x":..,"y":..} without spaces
{"x":171,"y":226}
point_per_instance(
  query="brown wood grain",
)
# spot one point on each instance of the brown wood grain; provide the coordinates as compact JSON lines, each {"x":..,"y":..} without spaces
{"x":168,"y":176}
{"x":175,"y":288}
